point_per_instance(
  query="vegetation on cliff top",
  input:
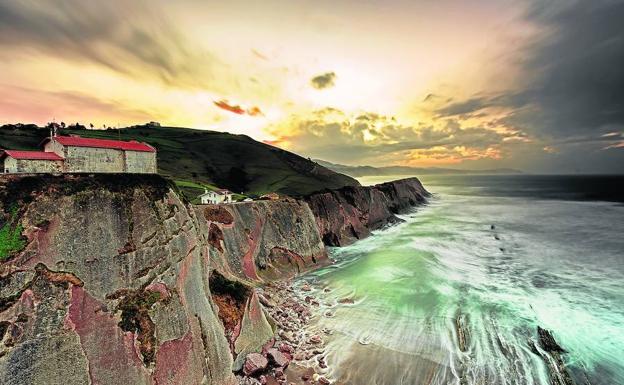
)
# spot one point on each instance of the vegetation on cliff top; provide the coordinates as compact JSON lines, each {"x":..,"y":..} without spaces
{"x":236,"y":162}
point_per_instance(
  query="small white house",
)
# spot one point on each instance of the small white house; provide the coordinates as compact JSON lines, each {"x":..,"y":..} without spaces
{"x":216,"y":197}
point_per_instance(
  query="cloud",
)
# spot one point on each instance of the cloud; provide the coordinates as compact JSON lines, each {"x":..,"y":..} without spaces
{"x":464,"y":107}
{"x":129,"y":38}
{"x":323,"y":81}
{"x":574,"y":69}
{"x":580,"y":84}
{"x":333,"y":135}
{"x":225,"y":105}
{"x":571,"y":99}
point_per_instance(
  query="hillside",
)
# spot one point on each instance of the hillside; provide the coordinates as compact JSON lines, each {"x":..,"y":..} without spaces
{"x":358,"y":171}
{"x":197,"y":158}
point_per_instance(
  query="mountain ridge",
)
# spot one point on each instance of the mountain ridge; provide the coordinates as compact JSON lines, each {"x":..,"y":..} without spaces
{"x":360,"y":171}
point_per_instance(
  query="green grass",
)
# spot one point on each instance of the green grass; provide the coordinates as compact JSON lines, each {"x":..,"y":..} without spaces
{"x":209,"y":158}
{"x":11,"y":240}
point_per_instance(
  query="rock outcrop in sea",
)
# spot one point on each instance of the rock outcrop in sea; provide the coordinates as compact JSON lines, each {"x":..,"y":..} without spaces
{"x":119,"y":281}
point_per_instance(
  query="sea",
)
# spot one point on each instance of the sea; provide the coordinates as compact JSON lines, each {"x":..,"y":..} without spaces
{"x":500,"y":255}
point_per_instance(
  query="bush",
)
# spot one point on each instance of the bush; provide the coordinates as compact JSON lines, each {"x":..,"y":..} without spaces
{"x":11,"y":240}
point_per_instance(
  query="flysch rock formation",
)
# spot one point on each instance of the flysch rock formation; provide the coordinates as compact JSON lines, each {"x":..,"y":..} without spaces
{"x":114,"y":283}
{"x":351,"y":213}
{"x":119,"y":281}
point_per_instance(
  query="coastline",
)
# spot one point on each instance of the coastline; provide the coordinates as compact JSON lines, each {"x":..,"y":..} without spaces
{"x":482,"y":299}
{"x":167,"y":288}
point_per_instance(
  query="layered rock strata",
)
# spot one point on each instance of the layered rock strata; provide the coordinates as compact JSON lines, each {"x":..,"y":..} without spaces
{"x":351,"y":213}
{"x":114,"y":284}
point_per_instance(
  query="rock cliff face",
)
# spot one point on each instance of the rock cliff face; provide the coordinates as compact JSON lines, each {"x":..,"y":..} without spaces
{"x":113,"y":279}
{"x":120,"y":282}
{"x":351,"y":213}
{"x":261,"y":240}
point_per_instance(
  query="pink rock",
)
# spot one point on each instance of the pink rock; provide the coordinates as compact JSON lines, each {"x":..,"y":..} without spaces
{"x":254,"y":362}
{"x":316,"y":339}
{"x":278,"y":357}
{"x":323,"y":381}
{"x":159,"y":287}
{"x":285,"y":348}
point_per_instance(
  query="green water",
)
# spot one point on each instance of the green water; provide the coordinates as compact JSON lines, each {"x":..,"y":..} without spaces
{"x":554,"y":263}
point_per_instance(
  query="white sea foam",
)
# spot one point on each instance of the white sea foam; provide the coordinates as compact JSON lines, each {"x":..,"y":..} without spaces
{"x":556,"y":264}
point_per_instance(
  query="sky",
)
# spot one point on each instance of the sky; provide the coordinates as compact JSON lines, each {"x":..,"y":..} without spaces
{"x":531,"y":85}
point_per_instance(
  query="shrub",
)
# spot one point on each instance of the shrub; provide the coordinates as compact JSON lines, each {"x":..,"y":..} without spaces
{"x":11,"y":240}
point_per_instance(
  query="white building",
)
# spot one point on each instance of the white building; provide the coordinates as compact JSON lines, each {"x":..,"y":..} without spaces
{"x":215,"y":197}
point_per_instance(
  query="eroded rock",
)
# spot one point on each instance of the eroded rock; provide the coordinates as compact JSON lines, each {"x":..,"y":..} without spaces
{"x":351,"y":213}
{"x":254,"y":362}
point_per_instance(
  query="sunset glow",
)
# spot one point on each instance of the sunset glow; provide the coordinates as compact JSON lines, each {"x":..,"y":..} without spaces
{"x":405,"y":83}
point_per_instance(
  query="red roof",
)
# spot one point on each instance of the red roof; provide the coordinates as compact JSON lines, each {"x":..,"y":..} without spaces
{"x":77,"y":141}
{"x":35,"y":155}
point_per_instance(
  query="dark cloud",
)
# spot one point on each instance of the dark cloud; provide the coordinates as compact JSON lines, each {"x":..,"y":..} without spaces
{"x":573,"y":99}
{"x":464,"y":107}
{"x":580,"y":65}
{"x":577,"y":71}
{"x":325,"y":80}
{"x":131,"y":38}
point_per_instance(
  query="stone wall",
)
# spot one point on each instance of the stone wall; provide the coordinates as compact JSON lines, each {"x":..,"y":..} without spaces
{"x":89,"y":159}
{"x":55,"y":147}
{"x":9,"y":165}
{"x":106,"y":160}
{"x":12,"y":165}
{"x":139,"y":162}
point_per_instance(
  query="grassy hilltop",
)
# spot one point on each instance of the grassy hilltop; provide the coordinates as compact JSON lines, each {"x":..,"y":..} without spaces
{"x":196,"y":158}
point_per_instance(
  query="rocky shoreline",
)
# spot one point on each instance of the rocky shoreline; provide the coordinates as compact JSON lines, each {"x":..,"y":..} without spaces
{"x":296,"y":355}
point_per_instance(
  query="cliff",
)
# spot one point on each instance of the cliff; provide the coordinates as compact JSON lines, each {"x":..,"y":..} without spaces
{"x":113,"y":279}
{"x":261,"y":240}
{"x":351,"y":213}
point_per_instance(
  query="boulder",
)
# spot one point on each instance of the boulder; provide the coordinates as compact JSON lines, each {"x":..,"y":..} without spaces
{"x":278,"y":358}
{"x":316,"y":339}
{"x":254,"y":362}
